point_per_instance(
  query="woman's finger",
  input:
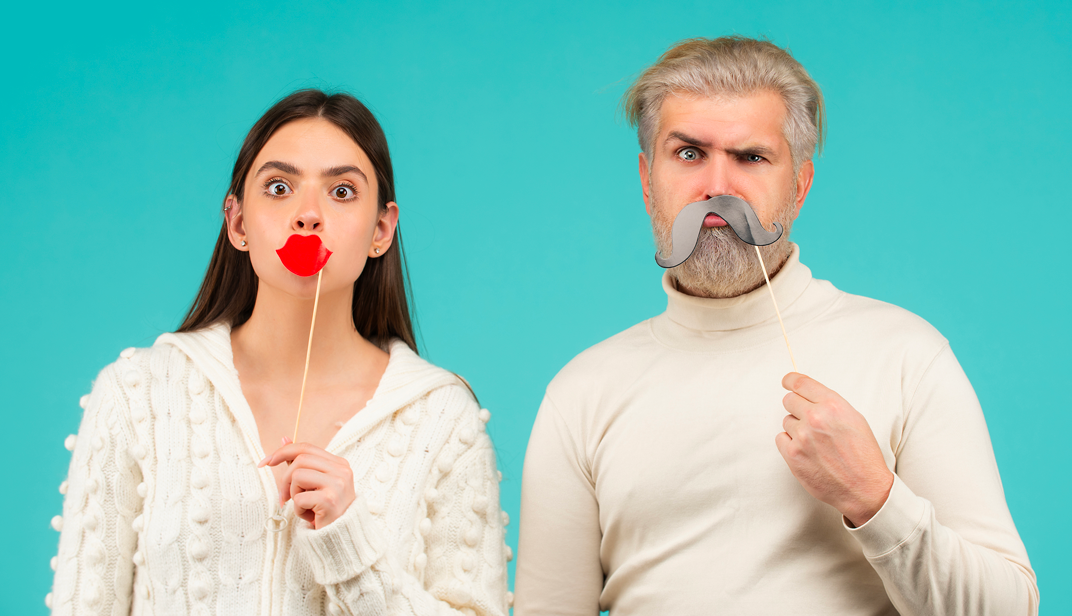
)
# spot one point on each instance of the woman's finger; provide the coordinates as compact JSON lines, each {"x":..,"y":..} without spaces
{"x":306,"y":505}
{"x":308,"y":461}
{"x":288,"y":452}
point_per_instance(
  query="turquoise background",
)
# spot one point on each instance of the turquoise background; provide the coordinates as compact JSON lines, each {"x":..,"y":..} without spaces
{"x":940,"y":191}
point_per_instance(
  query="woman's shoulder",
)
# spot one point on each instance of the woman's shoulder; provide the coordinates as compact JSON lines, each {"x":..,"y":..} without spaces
{"x":135,"y":367}
{"x":416,"y":381}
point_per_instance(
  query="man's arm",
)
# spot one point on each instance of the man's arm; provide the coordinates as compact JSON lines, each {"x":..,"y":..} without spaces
{"x":558,"y":565}
{"x":940,"y":536}
{"x":962,"y":555}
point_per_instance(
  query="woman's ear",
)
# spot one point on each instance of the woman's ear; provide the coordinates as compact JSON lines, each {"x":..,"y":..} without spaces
{"x":384,"y":235}
{"x":236,"y":228}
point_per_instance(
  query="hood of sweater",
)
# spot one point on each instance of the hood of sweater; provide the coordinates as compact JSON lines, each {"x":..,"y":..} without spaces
{"x":693,"y":323}
{"x":407,"y":378}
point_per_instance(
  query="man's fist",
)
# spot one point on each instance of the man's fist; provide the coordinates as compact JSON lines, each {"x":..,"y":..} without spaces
{"x":831,"y":450}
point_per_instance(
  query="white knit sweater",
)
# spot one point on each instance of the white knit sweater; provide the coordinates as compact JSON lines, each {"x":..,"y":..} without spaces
{"x":165,"y":507}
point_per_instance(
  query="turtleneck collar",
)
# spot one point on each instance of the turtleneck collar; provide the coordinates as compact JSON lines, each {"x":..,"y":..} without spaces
{"x":753,"y":308}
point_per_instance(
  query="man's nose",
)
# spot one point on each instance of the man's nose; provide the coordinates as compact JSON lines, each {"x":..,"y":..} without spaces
{"x":718,"y":177}
{"x":309,"y":216}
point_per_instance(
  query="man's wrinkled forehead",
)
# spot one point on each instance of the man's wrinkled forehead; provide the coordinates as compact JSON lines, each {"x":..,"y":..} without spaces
{"x":754,"y":122}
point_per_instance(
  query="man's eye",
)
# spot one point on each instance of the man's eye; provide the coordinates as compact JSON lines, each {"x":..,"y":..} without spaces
{"x":688,"y":154}
{"x":278,"y":189}
{"x":754,"y":158}
{"x":343,"y":192}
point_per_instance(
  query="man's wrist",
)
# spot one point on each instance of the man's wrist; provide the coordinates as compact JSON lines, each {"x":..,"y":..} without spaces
{"x":870,"y":504}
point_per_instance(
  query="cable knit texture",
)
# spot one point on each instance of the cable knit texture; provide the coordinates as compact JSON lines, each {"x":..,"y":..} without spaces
{"x":165,"y":507}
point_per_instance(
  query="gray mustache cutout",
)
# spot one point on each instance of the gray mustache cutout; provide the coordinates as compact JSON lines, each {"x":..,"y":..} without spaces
{"x":740,"y":216}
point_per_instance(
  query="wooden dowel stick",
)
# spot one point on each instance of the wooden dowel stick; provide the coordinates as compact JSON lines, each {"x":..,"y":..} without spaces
{"x":776,"y":311}
{"x":308,"y":351}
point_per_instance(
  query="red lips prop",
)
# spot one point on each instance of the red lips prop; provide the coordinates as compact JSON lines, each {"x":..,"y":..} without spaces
{"x":304,"y":255}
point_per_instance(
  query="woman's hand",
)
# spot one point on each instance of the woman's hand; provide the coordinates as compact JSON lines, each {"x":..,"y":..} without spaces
{"x":320,"y":484}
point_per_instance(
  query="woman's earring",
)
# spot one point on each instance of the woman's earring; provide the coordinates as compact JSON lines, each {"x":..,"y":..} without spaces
{"x":377,"y":251}
{"x":243,"y":242}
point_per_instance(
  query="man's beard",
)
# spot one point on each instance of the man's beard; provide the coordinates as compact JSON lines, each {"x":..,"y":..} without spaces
{"x":722,"y":265}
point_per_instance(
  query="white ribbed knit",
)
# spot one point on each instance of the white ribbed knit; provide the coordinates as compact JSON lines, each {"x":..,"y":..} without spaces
{"x":165,"y":507}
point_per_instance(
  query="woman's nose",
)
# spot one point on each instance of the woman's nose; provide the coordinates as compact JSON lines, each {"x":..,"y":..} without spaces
{"x":308,"y":217}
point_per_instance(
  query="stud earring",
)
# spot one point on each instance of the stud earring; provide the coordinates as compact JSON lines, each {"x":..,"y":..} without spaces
{"x":243,"y":242}
{"x":377,"y":251}
{"x":227,"y":209}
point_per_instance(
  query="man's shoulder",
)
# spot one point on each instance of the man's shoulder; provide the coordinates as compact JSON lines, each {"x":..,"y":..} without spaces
{"x":857,"y":314}
{"x":604,"y":363}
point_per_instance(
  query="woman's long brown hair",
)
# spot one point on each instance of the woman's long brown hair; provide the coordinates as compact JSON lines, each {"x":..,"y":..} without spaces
{"x":381,"y":302}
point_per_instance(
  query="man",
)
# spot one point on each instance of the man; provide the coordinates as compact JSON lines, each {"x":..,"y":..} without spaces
{"x":663,"y":475}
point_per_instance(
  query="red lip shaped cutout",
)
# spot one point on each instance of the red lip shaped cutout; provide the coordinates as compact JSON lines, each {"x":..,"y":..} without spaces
{"x":304,"y":255}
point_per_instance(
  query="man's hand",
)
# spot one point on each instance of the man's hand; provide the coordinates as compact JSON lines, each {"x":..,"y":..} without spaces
{"x":831,"y":450}
{"x":320,"y":484}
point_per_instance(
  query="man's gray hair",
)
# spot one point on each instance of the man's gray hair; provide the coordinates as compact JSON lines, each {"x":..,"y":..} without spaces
{"x":729,"y":66}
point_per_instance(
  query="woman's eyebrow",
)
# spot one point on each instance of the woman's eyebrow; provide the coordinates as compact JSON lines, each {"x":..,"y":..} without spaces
{"x":341,"y":169}
{"x":281,"y":166}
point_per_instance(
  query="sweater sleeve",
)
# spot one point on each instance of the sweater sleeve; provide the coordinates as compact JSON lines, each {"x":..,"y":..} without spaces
{"x":559,"y":570}
{"x":94,"y":567}
{"x":944,"y":542}
{"x":463,"y":568}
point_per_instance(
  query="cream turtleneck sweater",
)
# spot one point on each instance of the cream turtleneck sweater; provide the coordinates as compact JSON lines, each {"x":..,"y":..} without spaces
{"x":653,"y":485}
{"x":165,"y":507}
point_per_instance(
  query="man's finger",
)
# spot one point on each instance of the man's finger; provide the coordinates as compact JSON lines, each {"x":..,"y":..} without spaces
{"x":783,"y":441}
{"x":790,"y":425}
{"x":796,"y":405}
{"x":806,"y":387}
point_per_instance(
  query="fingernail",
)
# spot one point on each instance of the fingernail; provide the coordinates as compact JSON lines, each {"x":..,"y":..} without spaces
{"x":264,"y":461}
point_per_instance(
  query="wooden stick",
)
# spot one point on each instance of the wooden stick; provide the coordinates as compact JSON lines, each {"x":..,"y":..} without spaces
{"x":776,"y":311}
{"x":308,"y":351}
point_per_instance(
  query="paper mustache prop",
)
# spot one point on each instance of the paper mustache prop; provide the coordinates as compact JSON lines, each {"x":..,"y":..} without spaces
{"x":305,"y":255}
{"x":685,"y":236}
{"x":740,"y":216}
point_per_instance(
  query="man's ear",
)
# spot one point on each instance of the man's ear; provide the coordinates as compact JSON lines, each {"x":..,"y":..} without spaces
{"x":645,"y":185}
{"x":236,"y":226}
{"x":804,"y":178}
{"x":384,"y":235}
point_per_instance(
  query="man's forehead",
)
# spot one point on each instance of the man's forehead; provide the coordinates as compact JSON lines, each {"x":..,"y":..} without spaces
{"x":723,"y":120}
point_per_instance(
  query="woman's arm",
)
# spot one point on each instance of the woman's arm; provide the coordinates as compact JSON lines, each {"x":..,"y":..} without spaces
{"x":94,"y":567}
{"x":463,"y":566}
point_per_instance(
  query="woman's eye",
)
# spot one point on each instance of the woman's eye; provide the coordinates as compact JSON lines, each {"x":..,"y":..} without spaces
{"x":278,"y":189}
{"x":688,"y":154}
{"x":343,"y":192}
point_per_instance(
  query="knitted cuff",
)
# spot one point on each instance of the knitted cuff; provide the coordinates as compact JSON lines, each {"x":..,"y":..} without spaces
{"x":343,"y":549}
{"x":901,"y":517}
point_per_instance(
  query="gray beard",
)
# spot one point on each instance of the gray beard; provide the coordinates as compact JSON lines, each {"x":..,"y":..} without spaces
{"x":722,"y":265}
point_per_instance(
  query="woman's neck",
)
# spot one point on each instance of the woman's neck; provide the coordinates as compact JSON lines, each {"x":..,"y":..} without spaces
{"x":272,"y":343}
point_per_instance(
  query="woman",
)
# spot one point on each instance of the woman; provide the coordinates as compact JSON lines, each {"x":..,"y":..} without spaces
{"x":389,"y":501}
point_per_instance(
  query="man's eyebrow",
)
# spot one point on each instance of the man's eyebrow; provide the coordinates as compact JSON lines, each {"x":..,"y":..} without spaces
{"x":748,"y":150}
{"x":280,"y":165}
{"x":687,"y":139}
{"x":342,"y":169}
